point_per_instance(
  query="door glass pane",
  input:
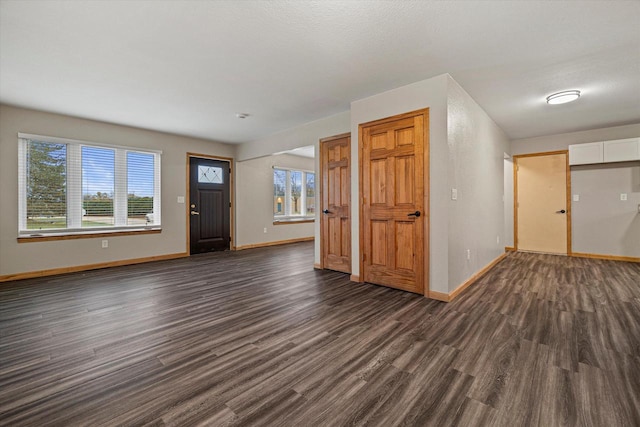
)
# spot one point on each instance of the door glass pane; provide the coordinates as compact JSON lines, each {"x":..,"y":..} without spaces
{"x":210,"y":175}
{"x":98,"y":186}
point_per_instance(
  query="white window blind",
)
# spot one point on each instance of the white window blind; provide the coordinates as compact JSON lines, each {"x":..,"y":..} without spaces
{"x":68,"y":186}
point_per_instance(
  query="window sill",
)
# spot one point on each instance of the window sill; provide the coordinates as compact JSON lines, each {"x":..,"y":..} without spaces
{"x":88,"y":235}
{"x":292,"y":221}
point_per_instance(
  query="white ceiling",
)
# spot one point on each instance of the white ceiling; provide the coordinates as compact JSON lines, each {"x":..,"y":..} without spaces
{"x":188,"y":67}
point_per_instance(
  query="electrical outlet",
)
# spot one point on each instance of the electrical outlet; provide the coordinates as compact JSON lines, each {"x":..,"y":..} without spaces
{"x":105,"y":244}
{"x":180,"y":199}
{"x":454,"y":194}
{"x":576,"y":197}
{"x":468,"y":253}
{"x":623,"y":197}
{"x":265,"y":230}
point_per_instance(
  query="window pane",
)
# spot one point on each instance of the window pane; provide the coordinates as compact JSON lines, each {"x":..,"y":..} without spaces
{"x":140,"y":189}
{"x":296,"y":191}
{"x":98,"y":186}
{"x":311,"y":193}
{"x":279,"y":187}
{"x":46,"y":170}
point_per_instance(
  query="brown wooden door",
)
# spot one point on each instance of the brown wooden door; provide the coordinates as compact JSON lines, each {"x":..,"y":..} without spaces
{"x":209,"y":202}
{"x":393,"y":201}
{"x":335,"y":220}
{"x":542,"y":207}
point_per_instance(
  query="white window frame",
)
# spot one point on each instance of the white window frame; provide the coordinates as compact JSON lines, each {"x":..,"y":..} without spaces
{"x":288,"y":215}
{"x":74,"y":190}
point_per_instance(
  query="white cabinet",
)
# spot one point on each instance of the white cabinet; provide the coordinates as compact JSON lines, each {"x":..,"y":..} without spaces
{"x":586,"y":154}
{"x":619,"y":150}
{"x":622,"y":150}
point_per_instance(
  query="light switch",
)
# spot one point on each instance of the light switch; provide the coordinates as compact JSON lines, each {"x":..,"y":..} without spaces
{"x":454,"y":194}
{"x":180,"y":199}
{"x":623,"y":196}
{"x":576,"y":197}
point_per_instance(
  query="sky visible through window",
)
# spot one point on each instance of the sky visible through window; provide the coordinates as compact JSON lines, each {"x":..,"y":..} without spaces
{"x":140,"y":174}
{"x":98,"y":172}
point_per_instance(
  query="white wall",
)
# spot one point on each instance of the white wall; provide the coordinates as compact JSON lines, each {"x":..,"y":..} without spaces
{"x":35,"y":256}
{"x":301,"y":136}
{"x":476,"y":169}
{"x":254,"y":200}
{"x":432,"y":94}
{"x":562,"y":141}
{"x":601,"y":223}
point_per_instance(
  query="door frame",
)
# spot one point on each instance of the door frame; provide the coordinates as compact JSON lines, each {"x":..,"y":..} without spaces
{"x":427,"y":192}
{"x":322,"y":190}
{"x":515,"y":194}
{"x":232,"y":244}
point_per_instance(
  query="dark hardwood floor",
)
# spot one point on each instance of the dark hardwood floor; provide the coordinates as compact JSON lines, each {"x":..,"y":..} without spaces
{"x":258,"y":337}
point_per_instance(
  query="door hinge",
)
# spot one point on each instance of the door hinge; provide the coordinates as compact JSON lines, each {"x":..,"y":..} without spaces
{"x":229,"y":204}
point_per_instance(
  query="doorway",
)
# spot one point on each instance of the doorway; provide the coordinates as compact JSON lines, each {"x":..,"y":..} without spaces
{"x":335,"y":220}
{"x":394,"y":214}
{"x":209,"y":204}
{"x":542,"y":209}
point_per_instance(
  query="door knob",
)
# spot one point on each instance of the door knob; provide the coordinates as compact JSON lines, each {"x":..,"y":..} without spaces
{"x":326,"y":211}
{"x":195,"y":213}
{"x":416,"y":214}
{"x":561,"y":211}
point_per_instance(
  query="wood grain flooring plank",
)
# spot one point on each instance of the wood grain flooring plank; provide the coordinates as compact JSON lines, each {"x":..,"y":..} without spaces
{"x":259,"y":337}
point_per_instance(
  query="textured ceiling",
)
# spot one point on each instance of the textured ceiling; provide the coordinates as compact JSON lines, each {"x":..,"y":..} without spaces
{"x":188,"y":67}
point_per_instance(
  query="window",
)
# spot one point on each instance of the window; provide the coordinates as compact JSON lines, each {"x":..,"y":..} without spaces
{"x":69,"y":187}
{"x":293,"y":194}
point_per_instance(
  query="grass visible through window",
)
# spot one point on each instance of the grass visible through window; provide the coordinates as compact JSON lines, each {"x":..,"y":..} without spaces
{"x":50,"y":223}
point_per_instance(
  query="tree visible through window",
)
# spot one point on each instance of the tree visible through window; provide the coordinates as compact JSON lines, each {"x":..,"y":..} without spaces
{"x":46,"y":186}
{"x":293,"y":194}
{"x":311,"y":194}
{"x":279,"y":191}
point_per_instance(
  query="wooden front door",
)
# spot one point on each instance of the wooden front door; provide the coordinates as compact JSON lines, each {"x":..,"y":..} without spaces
{"x":393,"y":214}
{"x":335,"y":220}
{"x":209,"y":203}
{"x":542,"y":208}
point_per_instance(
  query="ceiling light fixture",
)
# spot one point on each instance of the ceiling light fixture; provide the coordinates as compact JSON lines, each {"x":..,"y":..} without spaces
{"x":242,"y":115}
{"x":563,"y":97}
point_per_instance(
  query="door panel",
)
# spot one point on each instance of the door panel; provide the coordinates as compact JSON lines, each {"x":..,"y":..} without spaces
{"x":209,"y":201}
{"x":335,"y":222}
{"x":542,"y":208}
{"x":393,"y":214}
{"x":405,"y":172}
{"x":404,"y":238}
